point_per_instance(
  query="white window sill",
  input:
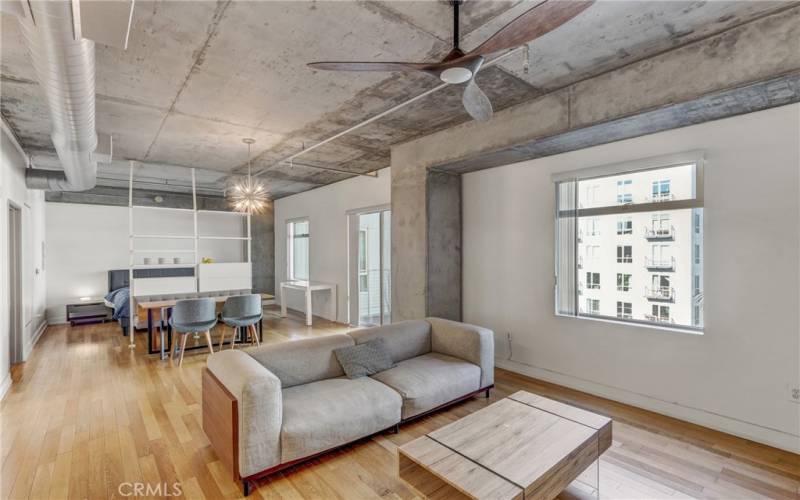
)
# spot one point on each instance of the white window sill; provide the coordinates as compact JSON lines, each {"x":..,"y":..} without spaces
{"x":638,"y":323}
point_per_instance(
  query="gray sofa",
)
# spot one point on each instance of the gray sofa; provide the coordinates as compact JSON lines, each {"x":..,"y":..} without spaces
{"x":291,"y":401}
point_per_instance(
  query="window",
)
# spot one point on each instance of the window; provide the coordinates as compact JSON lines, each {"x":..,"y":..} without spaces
{"x":660,"y":226}
{"x":696,"y":285}
{"x":623,"y":282}
{"x":593,"y":226}
{"x":660,"y":288}
{"x":624,"y":194}
{"x":591,"y":193}
{"x":593,"y":306}
{"x":697,"y":223}
{"x":667,"y":293}
{"x":625,"y":225}
{"x":297,"y":235}
{"x":660,"y":257}
{"x":696,"y":253}
{"x":624,"y":254}
{"x":661,"y":190}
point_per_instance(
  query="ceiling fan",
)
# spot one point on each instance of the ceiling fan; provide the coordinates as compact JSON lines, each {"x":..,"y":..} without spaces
{"x":460,"y":67}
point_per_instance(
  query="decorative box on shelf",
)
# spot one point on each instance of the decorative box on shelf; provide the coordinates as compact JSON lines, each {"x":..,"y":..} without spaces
{"x":87,"y":310}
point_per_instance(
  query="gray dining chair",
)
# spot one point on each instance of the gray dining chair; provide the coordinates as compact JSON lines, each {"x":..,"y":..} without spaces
{"x":192,"y":316}
{"x":242,"y":311}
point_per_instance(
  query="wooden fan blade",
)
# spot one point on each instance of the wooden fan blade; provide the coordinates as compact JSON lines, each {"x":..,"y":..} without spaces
{"x":534,"y":23}
{"x":369,"y":66}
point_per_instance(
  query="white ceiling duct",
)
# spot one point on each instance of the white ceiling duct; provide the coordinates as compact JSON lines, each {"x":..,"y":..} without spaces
{"x":65,"y":68}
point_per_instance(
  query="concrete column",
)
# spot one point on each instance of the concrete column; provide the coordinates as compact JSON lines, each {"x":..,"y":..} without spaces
{"x":443,"y":216}
{"x":262,"y":228}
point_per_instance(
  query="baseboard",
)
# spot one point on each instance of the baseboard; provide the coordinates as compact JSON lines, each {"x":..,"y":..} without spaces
{"x":36,"y":336}
{"x":722,"y":423}
{"x":5,"y":386}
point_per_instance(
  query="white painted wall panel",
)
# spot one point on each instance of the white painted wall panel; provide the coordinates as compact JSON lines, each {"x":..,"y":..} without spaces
{"x":13,"y":190}
{"x":735,"y":377}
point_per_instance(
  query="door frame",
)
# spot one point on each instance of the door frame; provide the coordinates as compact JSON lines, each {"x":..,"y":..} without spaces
{"x":352,"y":258}
{"x":15,"y":323}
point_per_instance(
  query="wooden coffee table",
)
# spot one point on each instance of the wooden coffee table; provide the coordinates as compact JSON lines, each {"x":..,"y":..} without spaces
{"x":523,"y":446}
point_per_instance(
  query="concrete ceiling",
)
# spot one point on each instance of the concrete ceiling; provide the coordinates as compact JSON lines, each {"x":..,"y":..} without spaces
{"x":199,"y":76}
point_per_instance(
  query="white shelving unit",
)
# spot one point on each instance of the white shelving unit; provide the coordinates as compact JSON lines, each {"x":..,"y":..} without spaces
{"x":208,"y":277}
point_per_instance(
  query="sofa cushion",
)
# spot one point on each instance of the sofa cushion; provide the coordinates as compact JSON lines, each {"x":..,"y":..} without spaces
{"x":364,"y":359}
{"x":329,"y":413}
{"x":404,"y":339}
{"x":430,"y":380}
{"x":302,"y":361}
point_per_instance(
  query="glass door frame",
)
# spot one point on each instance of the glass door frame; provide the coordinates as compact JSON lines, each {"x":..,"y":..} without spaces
{"x":352,"y":260}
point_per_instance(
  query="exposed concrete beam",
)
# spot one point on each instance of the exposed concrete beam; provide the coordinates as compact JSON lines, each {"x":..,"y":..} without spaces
{"x":756,"y":97}
{"x":750,"y":67}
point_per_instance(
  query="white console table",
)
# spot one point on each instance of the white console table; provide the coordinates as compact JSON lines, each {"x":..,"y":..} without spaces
{"x":308,"y":287}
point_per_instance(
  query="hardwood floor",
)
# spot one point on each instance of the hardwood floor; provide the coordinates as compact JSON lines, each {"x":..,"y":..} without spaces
{"x":86,"y":414}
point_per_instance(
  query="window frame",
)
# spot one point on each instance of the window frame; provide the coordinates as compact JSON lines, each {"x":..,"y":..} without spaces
{"x":570,"y":308}
{"x":290,"y":271}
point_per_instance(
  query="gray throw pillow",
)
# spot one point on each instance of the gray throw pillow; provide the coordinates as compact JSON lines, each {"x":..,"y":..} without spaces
{"x":364,"y":359}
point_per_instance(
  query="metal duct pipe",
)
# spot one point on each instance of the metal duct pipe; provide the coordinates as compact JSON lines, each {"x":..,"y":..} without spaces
{"x":65,"y":68}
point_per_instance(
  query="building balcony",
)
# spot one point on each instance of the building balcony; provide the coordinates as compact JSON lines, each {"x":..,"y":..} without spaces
{"x":658,"y":319}
{"x":656,"y":198}
{"x":660,"y":233}
{"x":662,"y":293}
{"x":660,"y":264}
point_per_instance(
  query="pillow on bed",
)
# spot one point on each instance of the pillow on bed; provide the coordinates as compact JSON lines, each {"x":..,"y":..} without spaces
{"x":364,"y":359}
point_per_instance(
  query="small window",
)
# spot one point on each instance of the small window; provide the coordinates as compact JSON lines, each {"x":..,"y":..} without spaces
{"x":593,"y":281}
{"x":624,"y":310}
{"x":696,"y":253}
{"x":297,"y":236}
{"x":661,"y":190}
{"x":660,"y":314}
{"x":696,"y":285}
{"x":625,"y":225}
{"x":624,"y":254}
{"x":696,"y":223}
{"x":593,"y":226}
{"x":593,"y":306}
{"x":623,"y":282}
{"x":624,"y":194}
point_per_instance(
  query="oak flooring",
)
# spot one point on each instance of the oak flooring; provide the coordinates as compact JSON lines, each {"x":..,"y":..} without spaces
{"x":86,"y":414}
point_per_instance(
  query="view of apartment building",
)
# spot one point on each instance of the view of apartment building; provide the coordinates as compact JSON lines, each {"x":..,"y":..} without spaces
{"x":642,"y":265}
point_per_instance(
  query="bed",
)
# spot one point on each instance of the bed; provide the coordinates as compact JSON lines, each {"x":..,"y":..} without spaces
{"x":118,"y":297}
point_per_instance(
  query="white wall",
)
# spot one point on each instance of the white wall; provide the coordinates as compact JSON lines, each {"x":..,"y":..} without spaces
{"x":85,"y":241}
{"x":326,"y":209}
{"x":13,"y":191}
{"x":735,"y":377}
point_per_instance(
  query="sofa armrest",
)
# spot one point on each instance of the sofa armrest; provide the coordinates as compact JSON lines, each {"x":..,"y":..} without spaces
{"x":260,"y":408}
{"x":468,"y":342}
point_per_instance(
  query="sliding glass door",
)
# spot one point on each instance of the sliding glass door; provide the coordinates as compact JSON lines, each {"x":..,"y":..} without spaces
{"x":370,"y":267}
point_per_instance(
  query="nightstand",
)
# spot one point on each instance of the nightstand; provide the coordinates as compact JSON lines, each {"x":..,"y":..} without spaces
{"x":87,"y":310}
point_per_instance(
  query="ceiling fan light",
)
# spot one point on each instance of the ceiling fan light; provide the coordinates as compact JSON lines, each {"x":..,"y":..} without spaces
{"x":456,"y":75}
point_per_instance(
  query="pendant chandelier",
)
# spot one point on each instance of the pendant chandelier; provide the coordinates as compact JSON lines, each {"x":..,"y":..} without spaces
{"x":248,"y":195}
